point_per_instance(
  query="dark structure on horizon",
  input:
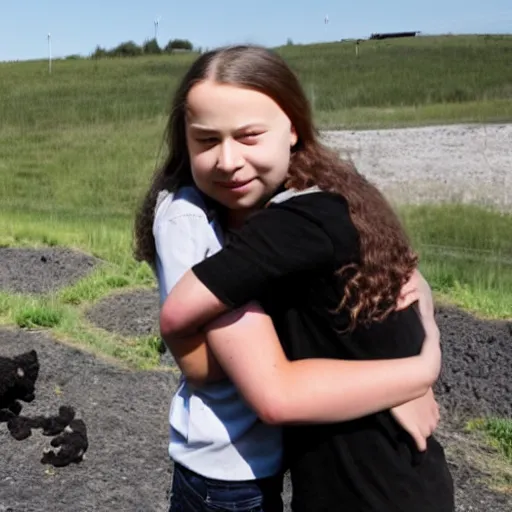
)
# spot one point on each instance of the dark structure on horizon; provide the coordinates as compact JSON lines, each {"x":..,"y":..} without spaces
{"x":390,"y":35}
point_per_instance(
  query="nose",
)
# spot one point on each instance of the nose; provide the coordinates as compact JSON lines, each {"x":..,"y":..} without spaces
{"x":229,"y":158}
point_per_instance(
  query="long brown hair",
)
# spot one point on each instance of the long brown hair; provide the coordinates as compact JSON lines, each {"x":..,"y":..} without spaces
{"x":372,"y":285}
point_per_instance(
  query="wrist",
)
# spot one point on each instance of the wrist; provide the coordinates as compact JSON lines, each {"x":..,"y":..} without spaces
{"x":423,"y":374}
{"x":431,"y":328}
{"x":431,"y":365}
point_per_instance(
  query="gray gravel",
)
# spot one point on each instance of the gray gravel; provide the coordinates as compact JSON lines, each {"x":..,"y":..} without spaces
{"x":464,"y":163}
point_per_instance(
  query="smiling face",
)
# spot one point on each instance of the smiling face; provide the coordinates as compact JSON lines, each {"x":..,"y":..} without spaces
{"x":239,"y":143}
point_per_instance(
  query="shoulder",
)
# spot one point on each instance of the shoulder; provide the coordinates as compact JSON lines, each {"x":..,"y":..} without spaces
{"x":182,"y":213}
{"x":313,"y":202}
{"x":293,"y":193}
{"x":309,"y":197}
{"x":320,"y":210}
{"x":186,"y":201}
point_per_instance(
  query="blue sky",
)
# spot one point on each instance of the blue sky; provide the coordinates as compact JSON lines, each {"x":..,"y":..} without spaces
{"x":77,"y":27}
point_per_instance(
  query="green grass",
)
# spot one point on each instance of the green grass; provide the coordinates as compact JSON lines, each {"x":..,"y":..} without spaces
{"x":67,"y":323}
{"x":63,"y":311}
{"x":416,"y":80}
{"x":78,"y":172}
{"x":484,"y":111}
{"x":399,"y":72}
{"x":498,"y":432}
{"x":77,"y":149}
{"x":487,"y":446}
{"x":466,"y":253}
{"x":39,"y":316}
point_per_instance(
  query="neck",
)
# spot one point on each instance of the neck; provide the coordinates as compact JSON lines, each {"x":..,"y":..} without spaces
{"x":233,"y":219}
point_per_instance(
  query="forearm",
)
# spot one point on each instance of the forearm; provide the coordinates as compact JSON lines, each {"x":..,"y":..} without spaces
{"x":325,"y":391}
{"x":321,"y":391}
{"x":195,"y":359}
{"x":187,"y":308}
{"x":310,"y":390}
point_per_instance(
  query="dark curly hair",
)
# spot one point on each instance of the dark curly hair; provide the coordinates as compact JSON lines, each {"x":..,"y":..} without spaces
{"x":372,"y":285}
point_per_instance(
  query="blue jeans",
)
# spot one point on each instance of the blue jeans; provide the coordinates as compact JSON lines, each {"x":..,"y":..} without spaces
{"x":194,"y":493}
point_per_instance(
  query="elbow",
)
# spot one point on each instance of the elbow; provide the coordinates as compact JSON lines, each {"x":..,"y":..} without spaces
{"x":269,"y":415}
{"x":274,"y":400}
{"x":271,"y":418}
{"x":171,"y":324}
{"x":167,"y":323}
{"x":272,"y":410}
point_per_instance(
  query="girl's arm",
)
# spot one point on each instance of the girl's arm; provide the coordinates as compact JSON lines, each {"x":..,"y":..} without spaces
{"x":193,"y":353}
{"x":183,"y":237}
{"x":281,"y":391}
{"x":314,"y":390}
{"x":188,"y":307}
{"x":278,"y":242}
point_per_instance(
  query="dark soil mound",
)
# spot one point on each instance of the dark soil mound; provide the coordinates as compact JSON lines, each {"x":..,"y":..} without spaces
{"x":476,"y":379}
{"x":133,"y":313}
{"x":126,"y":467}
{"x":42,"y":270}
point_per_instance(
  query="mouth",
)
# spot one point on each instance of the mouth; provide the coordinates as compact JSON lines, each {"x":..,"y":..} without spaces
{"x":233,"y":185}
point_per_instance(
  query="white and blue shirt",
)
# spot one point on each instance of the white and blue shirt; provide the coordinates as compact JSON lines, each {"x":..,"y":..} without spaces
{"x":213,"y":432}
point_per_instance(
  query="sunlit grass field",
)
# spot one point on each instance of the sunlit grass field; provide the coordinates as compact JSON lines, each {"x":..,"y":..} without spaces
{"x":77,"y":148}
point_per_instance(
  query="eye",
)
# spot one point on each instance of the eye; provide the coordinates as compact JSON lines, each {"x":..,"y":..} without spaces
{"x":250,"y":137}
{"x":206,"y":140}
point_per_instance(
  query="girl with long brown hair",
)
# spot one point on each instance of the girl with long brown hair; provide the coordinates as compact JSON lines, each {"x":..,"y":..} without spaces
{"x":325,"y":257}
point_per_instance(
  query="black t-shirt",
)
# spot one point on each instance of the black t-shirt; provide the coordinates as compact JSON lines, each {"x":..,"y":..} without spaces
{"x":285,"y":256}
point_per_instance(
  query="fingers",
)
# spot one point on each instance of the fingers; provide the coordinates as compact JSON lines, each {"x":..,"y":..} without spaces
{"x":412,"y":283}
{"x":405,"y":300}
{"x":421,"y":435}
{"x":409,"y":293}
{"x":420,"y":440}
{"x":433,"y":421}
{"x":408,"y":287}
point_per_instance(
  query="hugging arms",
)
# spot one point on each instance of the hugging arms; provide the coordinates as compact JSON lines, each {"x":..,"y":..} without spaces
{"x":209,"y":336}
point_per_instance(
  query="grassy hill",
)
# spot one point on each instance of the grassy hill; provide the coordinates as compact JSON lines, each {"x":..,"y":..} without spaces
{"x":77,"y":147}
{"x":392,"y":82}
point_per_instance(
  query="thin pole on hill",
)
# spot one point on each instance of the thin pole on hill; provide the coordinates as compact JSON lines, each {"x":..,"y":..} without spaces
{"x":49,"y":53}
{"x":157,"y":22}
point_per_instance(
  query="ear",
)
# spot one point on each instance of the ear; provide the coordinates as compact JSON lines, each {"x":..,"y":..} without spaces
{"x":293,"y":136}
